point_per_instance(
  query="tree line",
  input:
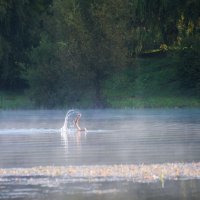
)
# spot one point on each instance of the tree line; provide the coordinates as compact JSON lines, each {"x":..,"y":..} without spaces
{"x":62,"y":51}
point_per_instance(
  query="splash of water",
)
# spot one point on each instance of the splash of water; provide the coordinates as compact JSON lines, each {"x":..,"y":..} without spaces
{"x":69,"y":123}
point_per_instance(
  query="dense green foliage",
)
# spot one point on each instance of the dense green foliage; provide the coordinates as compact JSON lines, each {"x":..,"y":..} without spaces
{"x":93,"y":53}
{"x":19,"y":26}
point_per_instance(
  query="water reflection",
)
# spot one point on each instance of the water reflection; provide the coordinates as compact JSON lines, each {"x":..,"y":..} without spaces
{"x":74,"y":138}
{"x":40,"y":188}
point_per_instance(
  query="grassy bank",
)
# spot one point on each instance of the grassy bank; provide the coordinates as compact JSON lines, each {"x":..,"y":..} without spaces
{"x":15,"y":101}
{"x":154,"y":102}
{"x":151,"y":83}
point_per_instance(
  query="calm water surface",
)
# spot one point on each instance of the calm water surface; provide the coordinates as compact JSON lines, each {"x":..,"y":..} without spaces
{"x":32,"y":138}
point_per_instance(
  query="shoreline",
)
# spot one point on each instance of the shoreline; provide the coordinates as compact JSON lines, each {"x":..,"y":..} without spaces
{"x":22,"y":102}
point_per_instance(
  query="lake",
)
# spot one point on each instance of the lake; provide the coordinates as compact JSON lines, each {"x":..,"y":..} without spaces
{"x":115,"y":137}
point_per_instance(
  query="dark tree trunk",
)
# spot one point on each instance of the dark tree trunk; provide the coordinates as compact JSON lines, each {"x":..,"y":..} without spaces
{"x":99,"y":100}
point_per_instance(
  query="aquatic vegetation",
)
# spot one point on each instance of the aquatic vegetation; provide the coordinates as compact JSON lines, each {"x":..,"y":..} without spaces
{"x":162,"y":180}
{"x":135,"y":173}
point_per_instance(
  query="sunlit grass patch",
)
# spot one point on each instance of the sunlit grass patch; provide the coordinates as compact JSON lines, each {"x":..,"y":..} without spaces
{"x":153,"y":102}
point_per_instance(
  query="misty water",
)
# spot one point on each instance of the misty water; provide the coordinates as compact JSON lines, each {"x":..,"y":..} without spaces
{"x":141,"y":136}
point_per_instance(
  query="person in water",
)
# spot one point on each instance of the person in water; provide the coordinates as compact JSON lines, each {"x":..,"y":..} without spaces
{"x":76,"y":123}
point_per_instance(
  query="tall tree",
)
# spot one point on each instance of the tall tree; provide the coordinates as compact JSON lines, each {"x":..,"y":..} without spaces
{"x":85,"y":42}
{"x":91,"y":42}
{"x":19,"y":30}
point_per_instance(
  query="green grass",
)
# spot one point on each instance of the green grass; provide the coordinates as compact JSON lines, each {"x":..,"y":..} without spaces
{"x":153,"y":83}
{"x":14,"y":101}
{"x":154,"y":102}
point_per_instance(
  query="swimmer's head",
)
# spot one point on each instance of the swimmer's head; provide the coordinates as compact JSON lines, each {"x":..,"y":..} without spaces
{"x":79,"y":115}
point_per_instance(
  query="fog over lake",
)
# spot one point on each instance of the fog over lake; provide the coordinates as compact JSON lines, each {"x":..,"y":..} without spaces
{"x":114,"y":137}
